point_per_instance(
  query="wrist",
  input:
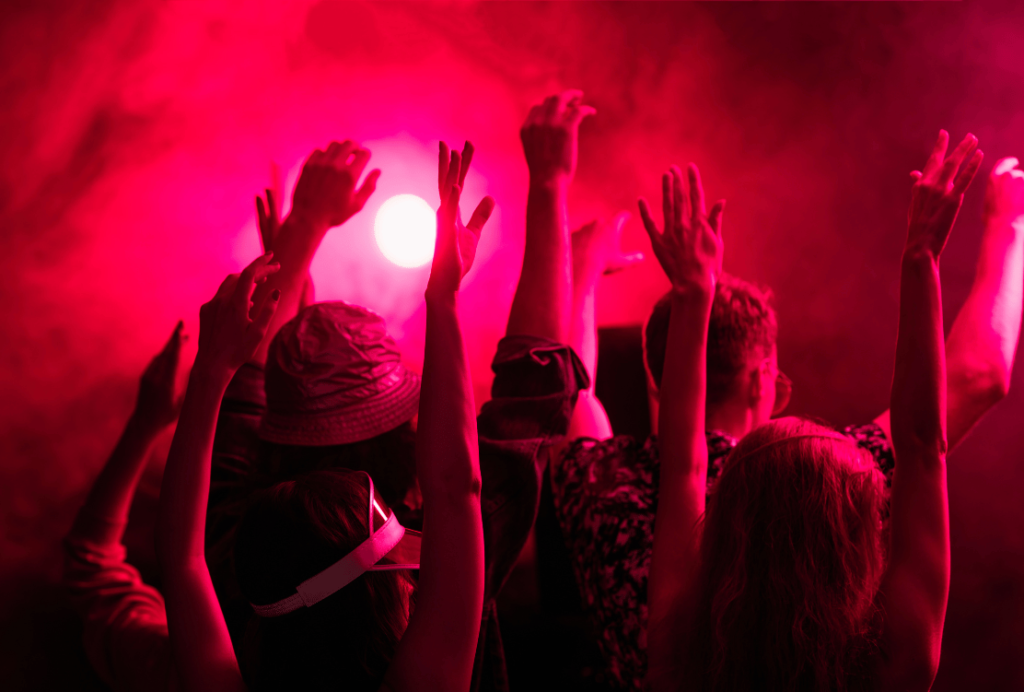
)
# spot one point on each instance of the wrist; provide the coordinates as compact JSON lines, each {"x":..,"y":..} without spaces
{"x":209,"y":373}
{"x":555,"y":185}
{"x":702,"y":288}
{"x":919,"y":254}
{"x":306,"y":220}
{"x":439,"y":298}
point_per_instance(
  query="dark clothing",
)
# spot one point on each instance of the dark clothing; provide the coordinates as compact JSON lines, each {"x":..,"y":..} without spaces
{"x":533,"y":394}
{"x":606,"y":496}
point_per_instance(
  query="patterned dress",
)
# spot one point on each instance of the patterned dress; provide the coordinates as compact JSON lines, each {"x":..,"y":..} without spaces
{"x":606,"y":498}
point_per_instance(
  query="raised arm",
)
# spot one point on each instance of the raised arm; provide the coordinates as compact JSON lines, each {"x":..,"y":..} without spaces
{"x":268,"y":217}
{"x":105,"y":513}
{"x":690,"y":252}
{"x":325,"y":196}
{"x":983,"y":340}
{"x":124,"y":620}
{"x":437,"y":650}
{"x":543,"y":301}
{"x":204,"y":657}
{"x":595,"y":253}
{"x":915,"y":585}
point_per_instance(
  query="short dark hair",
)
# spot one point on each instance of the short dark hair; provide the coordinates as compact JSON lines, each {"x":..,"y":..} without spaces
{"x":743,"y":325}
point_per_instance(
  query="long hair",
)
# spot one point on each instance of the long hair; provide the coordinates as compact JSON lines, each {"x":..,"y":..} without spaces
{"x":290,"y":532}
{"x":791,"y":559}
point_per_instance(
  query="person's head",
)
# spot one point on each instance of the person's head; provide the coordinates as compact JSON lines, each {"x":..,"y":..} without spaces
{"x":791,"y":559}
{"x":742,"y":358}
{"x":338,"y":396}
{"x":291,"y":532}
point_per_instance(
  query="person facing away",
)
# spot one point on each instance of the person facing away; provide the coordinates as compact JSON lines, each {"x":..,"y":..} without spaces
{"x":781,"y":579}
{"x":605,"y":487}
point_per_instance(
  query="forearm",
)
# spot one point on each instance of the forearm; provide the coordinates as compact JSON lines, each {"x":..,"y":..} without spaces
{"x":983,"y":340}
{"x":543,"y":299}
{"x":186,"y":483}
{"x":103,"y":516}
{"x":918,"y":403}
{"x":446,"y":438}
{"x":684,"y":456}
{"x":294,"y":249}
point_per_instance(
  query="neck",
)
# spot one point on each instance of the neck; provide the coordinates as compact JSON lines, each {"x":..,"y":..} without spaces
{"x":731,"y":418}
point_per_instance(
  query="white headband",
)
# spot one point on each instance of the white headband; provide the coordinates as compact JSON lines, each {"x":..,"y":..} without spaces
{"x":346,"y":570}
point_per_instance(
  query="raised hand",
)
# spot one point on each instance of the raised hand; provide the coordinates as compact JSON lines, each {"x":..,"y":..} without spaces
{"x":938,"y":193}
{"x":455,"y":247}
{"x":227,"y":336}
{"x":1004,"y":197}
{"x":690,"y":248}
{"x":159,"y":401}
{"x":268,"y":217}
{"x":596,"y":248}
{"x":551,"y":135}
{"x":326,"y":193}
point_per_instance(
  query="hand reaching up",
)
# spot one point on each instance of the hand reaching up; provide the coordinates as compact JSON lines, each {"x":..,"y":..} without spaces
{"x":159,"y":401}
{"x":938,"y":193}
{"x":1004,"y":197}
{"x":326,"y":193}
{"x":551,"y":137}
{"x":227,"y":336}
{"x":596,"y":249}
{"x":690,"y":248}
{"x":268,"y":217}
{"x":456,"y":243}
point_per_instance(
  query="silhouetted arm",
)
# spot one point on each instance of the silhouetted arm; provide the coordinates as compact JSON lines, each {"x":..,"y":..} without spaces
{"x":543,"y":299}
{"x":915,"y":585}
{"x":595,"y":253}
{"x":982,"y":343}
{"x":203,"y":654}
{"x":325,"y":196}
{"x":439,"y":645}
{"x":690,"y":252}
{"x":124,"y":620}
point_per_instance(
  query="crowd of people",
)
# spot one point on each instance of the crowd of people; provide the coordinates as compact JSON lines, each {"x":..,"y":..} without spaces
{"x":330,"y":520}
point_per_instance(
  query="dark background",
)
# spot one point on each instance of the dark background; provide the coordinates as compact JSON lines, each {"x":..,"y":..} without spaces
{"x":135,"y":134}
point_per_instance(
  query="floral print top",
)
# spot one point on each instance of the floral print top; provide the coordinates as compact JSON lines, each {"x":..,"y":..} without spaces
{"x":606,"y":498}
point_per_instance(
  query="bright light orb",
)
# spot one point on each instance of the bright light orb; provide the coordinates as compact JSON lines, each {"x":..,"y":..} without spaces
{"x":405,"y":229}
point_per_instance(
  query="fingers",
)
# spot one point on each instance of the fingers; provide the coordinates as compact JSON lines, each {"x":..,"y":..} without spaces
{"x":666,"y":201}
{"x":257,"y":271}
{"x":467,"y":156}
{"x":934,"y":162}
{"x":952,"y":164}
{"x":1005,"y":165}
{"x":967,"y":173}
{"x":226,"y":286}
{"x":916,"y":175}
{"x":677,"y":199}
{"x":443,"y":155}
{"x":454,"y":165}
{"x":263,"y":225}
{"x":276,"y":190}
{"x":648,"y":221}
{"x":168,"y":357}
{"x":535,"y":115}
{"x":369,"y":185}
{"x":337,"y":154}
{"x":258,"y":329}
{"x":317,"y":158}
{"x":360,"y":157}
{"x":697,"y":208}
{"x":715,"y":217}
{"x":480,"y":215}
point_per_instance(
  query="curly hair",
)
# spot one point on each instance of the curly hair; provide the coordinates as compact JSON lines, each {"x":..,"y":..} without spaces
{"x":791,"y":559}
{"x":743,"y":325}
{"x":290,"y":532}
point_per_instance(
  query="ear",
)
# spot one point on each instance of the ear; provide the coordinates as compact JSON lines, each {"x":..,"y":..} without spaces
{"x":757,"y":386}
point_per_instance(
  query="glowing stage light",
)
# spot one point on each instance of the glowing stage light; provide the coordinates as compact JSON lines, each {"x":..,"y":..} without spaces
{"x":405,"y":229}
